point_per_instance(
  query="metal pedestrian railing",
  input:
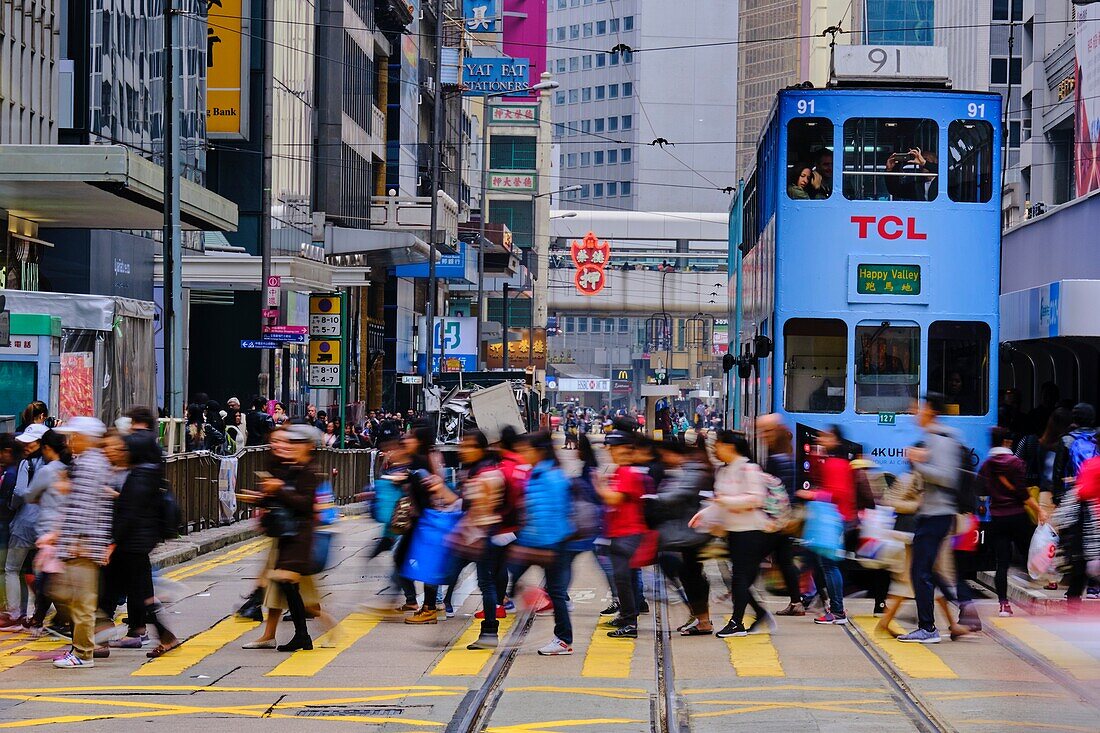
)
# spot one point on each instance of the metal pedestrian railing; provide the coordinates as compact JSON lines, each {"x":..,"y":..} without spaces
{"x":205,"y":484}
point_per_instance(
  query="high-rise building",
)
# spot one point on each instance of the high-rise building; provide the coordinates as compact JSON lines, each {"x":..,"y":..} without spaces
{"x":900,"y":22}
{"x":28,"y":114}
{"x":645,"y":131}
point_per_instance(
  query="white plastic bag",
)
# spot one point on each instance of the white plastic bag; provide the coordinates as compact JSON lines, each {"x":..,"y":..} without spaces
{"x":1041,"y":555}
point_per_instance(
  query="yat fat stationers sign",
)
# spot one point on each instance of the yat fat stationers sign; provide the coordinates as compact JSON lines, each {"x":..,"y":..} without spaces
{"x":491,"y":75}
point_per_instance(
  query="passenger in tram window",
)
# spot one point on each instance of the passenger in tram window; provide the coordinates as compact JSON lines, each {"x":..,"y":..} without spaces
{"x":823,"y":173}
{"x":959,"y":396}
{"x":800,"y":184}
{"x":913,"y":187}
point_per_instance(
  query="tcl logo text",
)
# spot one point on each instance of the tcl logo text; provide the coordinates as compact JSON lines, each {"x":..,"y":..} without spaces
{"x":888,"y":227}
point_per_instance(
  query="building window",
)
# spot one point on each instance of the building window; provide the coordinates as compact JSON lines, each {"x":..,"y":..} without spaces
{"x":586,"y":160}
{"x":559,"y":129}
{"x":601,"y":27}
{"x":570,"y":324}
{"x":574,"y":32}
{"x":574,"y":96}
{"x":958,"y":365}
{"x":890,"y":159}
{"x":600,"y":93}
{"x":816,"y":352}
{"x":512,"y":152}
{"x":628,"y":89}
{"x":612,"y":91}
{"x":612,"y":157}
{"x":612,"y":124}
{"x":586,"y":126}
{"x":561,"y":66}
{"x":582,"y":325}
{"x":584,"y":191}
{"x":887,"y":367}
{"x":624,"y":325}
{"x":1014,"y":133}
{"x":597,"y":190}
{"x":612,"y":188}
{"x":586,"y":93}
{"x":597,"y":157}
{"x":561,"y":33}
{"x":628,"y":23}
{"x":519,"y":216}
{"x":571,"y":160}
{"x":625,"y":187}
{"x":561,"y":160}
{"x":626,"y":155}
{"x":1003,"y":72}
{"x":628,"y":122}
{"x":599,"y":124}
{"x":608,"y":325}
{"x":899,"y":23}
{"x":628,"y":57}
{"x":970,"y":161}
{"x":549,"y":35}
{"x":574,"y":63}
{"x":615,"y":59}
{"x":586,"y":30}
{"x":561,"y":4}
{"x":586,"y":61}
{"x":559,"y":97}
{"x":1001,"y":10}
{"x":614,"y":25}
{"x":601,"y":60}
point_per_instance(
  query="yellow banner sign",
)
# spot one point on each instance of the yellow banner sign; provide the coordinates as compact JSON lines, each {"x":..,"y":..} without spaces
{"x":227,"y":70}
{"x":324,"y":351}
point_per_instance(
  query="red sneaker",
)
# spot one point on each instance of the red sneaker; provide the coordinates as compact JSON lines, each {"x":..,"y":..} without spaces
{"x":501,"y":613}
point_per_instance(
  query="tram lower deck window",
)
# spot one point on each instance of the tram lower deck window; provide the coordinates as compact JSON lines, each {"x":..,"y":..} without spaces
{"x":958,"y":365}
{"x":816,"y":366}
{"x":887,"y":367}
{"x":891,"y":159}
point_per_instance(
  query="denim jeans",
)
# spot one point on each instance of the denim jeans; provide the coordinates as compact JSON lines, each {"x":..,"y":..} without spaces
{"x":834,"y":583}
{"x":490,"y":569}
{"x":929,"y":535}
{"x":558,"y":576}
{"x":14,"y":581}
{"x":626,"y":586}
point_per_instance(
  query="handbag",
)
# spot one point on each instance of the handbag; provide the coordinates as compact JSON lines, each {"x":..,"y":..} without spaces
{"x":322,"y":545}
{"x":404,"y":512}
{"x":526,"y":556}
{"x":824,"y":530}
{"x":279,"y":521}
{"x":468,"y":541}
{"x":427,"y":560}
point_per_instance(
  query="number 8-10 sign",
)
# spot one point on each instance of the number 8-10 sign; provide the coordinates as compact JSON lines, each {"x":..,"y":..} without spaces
{"x":325,"y":341}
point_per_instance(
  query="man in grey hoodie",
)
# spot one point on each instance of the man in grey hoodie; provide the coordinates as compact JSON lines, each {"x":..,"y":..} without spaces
{"x":938,"y":461}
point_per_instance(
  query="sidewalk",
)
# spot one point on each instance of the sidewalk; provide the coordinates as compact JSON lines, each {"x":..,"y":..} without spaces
{"x":1024,"y":591}
{"x":188,"y":547}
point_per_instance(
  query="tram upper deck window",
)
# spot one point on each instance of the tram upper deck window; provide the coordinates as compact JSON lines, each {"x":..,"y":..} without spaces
{"x":891,"y":159}
{"x":887,"y":367}
{"x":816,"y":368}
{"x":958,"y":365}
{"x":970,"y":161}
{"x":809,"y":158}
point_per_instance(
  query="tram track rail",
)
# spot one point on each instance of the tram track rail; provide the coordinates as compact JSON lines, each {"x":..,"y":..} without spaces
{"x":668,"y":711}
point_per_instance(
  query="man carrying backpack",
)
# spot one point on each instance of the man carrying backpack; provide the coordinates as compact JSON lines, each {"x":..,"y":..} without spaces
{"x":1078,"y":445}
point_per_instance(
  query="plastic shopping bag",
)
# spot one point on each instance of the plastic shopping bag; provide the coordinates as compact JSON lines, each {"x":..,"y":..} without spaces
{"x":428,"y":560}
{"x":1043,"y":551}
{"x":824,"y":530}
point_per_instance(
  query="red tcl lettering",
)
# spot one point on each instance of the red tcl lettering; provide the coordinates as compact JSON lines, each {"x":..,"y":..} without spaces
{"x":889,"y":227}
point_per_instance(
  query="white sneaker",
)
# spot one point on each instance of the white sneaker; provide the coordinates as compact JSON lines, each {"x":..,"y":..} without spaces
{"x":71,"y":661}
{"x":556,"y":648}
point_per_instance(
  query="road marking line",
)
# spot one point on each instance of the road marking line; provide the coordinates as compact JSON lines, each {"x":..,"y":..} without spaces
{"x":617,"y":693}
{"x":607,"y":657}
{"x":227,"y":558}
{"x":25,"y":652}
{"x":549,"y":725}
{"x":308,"y":663}
{"x":1060,"y":652}
{"x":196,"y":649}
{"x":754,"y":656}
{"x":462,"y":662}
{"x":915,"y":660}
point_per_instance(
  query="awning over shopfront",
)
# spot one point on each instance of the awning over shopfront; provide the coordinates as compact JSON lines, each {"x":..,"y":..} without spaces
{"x":242,"y":272}
{"x":379,"y":247}
{"x":99,"y":187}
{"x":1060,"y":308}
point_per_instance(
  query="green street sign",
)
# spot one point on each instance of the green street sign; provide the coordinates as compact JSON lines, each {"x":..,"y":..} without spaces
{"x":887,"y":418}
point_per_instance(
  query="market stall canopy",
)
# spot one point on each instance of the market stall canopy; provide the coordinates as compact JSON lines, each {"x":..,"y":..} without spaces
{"x":100,"y":187}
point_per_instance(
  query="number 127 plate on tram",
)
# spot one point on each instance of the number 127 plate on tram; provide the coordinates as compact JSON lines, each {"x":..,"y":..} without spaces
{"x":324,"y":375}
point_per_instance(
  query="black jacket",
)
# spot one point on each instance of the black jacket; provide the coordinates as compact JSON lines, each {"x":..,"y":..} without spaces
{"x":259,"y":426}
{"x":137,"y":513}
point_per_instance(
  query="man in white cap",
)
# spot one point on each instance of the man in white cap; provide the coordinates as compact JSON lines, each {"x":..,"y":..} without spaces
{"x":83,"y":536}
{"x":15,"y":584}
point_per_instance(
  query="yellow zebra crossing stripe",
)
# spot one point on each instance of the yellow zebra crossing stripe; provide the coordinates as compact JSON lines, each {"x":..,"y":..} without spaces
{"x":338,"y":639}
{"x":914,"y":660}
{"x":27,"y":649}
{"x":227,"y":558}
{"x":462,"y":662}
{"x":607,"y":657}
{"x":196,"y":649}
{"x":1060,"y":652}
{"x":754,"y":656}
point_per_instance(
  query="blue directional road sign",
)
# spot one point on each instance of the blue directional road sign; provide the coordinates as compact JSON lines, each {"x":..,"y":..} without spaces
{"x":259,"y":344}
{"x":286,"y":338}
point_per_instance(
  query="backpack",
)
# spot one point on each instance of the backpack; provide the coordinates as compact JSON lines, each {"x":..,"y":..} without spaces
{"x":170,"y":515}
{"x":1082,"y":449}
{"x":777,"y":504}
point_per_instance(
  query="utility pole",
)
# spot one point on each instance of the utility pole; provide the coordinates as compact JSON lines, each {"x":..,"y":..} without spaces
{"x":265,"y":379}
{"x":437,"y":153}
{"x":504,"y":327}
{"x":172,"y":244}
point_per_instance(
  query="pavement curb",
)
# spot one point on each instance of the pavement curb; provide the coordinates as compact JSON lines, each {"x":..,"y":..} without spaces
{"x":1023,"y":594}
{"x":196,"y":544}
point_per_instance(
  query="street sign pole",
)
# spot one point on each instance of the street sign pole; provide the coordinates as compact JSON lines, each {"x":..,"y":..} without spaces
{"x":343,"y":368}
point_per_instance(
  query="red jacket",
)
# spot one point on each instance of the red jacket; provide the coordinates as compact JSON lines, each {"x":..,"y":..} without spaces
{"x":833,"y":480}
{"x":515,"y":471}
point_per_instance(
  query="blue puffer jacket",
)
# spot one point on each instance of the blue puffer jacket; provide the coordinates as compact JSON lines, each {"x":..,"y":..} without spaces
{"x":547,"y":508}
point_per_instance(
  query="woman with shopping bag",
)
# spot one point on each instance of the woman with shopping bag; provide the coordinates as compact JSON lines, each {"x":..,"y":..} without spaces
{"x":830,"y":512}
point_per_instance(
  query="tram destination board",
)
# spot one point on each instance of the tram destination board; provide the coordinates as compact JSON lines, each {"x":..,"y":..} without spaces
{"x":877,"y":279}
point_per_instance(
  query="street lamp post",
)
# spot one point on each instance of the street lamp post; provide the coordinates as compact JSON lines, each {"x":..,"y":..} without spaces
{"x":541,"y":86}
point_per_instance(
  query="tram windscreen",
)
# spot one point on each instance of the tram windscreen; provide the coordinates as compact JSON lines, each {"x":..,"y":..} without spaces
{"x":815,"y":367}
{"x":891,"y":159}
{"x":887,"y":367}
{"x":958,"y":365}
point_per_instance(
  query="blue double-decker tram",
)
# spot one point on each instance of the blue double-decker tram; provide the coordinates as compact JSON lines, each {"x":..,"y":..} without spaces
{"x":869,"y":233}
